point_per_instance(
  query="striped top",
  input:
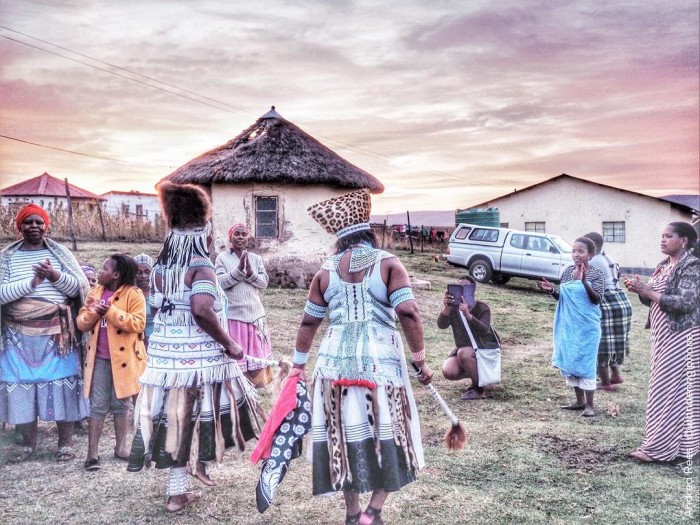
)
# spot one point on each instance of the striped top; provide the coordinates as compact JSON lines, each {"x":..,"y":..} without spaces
{"x":17,"y":281}
{"x":594,"y":276}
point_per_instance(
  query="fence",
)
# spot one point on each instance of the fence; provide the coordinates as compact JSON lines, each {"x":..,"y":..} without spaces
{"x":394,"y":238}
{"x":90,"y":225}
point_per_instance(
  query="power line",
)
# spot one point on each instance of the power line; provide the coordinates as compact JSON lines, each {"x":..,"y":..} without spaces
{"x":116,"y":74}
{"x":83,"y":154}
{"x":227,"y":107}
{"x":121,"y":68}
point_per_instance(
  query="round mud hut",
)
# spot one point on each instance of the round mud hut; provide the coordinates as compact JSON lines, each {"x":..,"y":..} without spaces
{"x":266,"y":177}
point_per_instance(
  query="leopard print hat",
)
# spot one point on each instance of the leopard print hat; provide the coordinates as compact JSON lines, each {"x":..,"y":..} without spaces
{"x":345,"y":214}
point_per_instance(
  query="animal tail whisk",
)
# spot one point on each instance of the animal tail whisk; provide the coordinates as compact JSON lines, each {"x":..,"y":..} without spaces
{"x":456,"y":437}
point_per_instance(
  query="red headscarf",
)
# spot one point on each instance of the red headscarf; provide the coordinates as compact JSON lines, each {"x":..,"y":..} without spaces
{"x":236,"y":226}
{"x":32,"y":209}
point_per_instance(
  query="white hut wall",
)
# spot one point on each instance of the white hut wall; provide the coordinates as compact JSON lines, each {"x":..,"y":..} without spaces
{"x":297,"y":234}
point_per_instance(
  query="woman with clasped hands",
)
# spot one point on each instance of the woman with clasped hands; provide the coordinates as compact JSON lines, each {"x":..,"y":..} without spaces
{"x":672,"y":425}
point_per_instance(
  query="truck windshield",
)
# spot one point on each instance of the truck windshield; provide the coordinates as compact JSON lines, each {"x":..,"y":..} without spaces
{"x":561,"y":244}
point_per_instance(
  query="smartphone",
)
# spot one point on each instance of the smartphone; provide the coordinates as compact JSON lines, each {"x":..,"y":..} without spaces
{"x":455,"y":290}
{"x":459,"y":291}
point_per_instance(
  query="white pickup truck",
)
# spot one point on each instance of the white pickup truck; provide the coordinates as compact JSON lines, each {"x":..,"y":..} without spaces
{"x":497,"y":254}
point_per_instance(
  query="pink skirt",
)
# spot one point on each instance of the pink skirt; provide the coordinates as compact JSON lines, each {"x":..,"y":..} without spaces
{"x":254,"y":344}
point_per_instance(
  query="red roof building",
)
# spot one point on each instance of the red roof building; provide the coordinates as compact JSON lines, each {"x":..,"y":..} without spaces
{"x":49,"y":193}
{"x":45,"y":186}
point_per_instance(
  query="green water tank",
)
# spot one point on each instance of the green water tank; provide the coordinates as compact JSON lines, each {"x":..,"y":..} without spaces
{"x":478,"y":216}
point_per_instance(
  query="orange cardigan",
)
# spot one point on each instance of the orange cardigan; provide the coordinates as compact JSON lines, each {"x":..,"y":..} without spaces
{"x":126,"y":322}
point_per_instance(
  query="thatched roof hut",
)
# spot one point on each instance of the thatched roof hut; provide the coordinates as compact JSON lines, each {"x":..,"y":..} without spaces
{"x":273,"y":150}
{"x":266,"y":177}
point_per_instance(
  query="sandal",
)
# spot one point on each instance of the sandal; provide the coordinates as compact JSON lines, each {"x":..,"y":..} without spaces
{"x":472,"y":395}
{"x":92,"y":464}
{"x":65,"y":454}
{"x":21,"y":455}
{"x":353,"y":520}
{"x":371,"y":517}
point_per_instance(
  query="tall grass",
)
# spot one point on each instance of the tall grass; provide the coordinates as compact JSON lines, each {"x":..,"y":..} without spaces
{"x":526,"y":462}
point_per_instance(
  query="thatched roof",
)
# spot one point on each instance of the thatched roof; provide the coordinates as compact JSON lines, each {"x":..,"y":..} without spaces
{"x":274,"y":150}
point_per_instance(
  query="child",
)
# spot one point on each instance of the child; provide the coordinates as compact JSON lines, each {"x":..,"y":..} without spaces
{"x":90,"y":274}
{"x":144,"y":265}
{"x":115,"y":317}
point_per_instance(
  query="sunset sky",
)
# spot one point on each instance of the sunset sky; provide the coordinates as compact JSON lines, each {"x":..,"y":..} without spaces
{"x":448,"y":103}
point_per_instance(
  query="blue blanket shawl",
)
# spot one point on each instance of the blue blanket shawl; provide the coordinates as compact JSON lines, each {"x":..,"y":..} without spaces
{"x":576,"y":332}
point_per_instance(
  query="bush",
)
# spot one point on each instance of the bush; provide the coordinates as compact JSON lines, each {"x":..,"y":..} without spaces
{"x":88,"y":226}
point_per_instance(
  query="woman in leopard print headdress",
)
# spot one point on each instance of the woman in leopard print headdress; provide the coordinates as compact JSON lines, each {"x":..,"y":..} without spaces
{"x":366,"y":434}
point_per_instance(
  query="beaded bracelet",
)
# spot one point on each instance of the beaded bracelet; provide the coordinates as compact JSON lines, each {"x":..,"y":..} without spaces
{"x":401,"y":295}
{"x":300,"y":358}
{"x":418,"y":356}
{"x":314,"y":310}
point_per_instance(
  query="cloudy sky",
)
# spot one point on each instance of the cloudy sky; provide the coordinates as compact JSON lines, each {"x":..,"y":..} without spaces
{"x":449,"y":103}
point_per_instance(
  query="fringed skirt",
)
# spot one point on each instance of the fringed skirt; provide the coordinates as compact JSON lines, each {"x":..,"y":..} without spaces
{"x":364,"y":438}
{"x":178,"y":425}
{"x":615,"y":326}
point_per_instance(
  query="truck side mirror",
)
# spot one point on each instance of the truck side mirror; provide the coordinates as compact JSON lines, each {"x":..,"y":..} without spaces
{"x":553,"y":249}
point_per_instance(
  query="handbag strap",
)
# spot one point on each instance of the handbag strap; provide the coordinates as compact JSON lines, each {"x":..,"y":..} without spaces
{"x":469,"y":331}
{"x":471,"y":335}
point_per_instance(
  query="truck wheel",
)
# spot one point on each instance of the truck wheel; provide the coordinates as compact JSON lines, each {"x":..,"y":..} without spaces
{"x":481,"y":271}
{"x":499,"y":278}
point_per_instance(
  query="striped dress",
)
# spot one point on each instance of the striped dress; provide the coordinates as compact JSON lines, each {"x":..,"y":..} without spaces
{"x":672,"y":427}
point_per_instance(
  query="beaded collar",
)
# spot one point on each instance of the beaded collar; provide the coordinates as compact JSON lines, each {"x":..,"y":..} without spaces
{"x":361,"y":257}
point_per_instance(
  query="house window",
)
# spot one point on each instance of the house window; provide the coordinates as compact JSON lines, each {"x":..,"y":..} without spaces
{"x":139,"y":210}
{"x":125,"y":210}
{"x":614,"y":231}
{"x":503,"y":225}
{"x":266,"y":217}
{"x":534,"y":227}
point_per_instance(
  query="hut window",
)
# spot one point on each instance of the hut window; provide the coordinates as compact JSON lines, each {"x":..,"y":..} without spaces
{"x":266,"y":217}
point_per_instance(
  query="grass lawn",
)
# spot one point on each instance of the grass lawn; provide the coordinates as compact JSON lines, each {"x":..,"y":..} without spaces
{"x":526,"y":462}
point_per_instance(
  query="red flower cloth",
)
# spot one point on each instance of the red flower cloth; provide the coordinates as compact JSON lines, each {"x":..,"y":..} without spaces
{"x":286,"y":402}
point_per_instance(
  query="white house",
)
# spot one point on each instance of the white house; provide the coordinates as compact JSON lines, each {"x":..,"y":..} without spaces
{"x":630,"y":222}
{"x":267,"y":177}
{"x":132,"y":204}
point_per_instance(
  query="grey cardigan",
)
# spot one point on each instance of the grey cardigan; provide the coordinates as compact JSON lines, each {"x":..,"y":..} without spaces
{"x":680,"y":300}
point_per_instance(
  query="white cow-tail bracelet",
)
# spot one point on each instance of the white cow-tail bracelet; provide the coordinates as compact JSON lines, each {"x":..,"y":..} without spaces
{"x":300,"y":358}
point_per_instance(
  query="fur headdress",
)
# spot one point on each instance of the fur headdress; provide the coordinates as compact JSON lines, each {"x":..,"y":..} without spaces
{"x":185,"y":206}
{"x":187,"y":209}
{"x":344,"y":214}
